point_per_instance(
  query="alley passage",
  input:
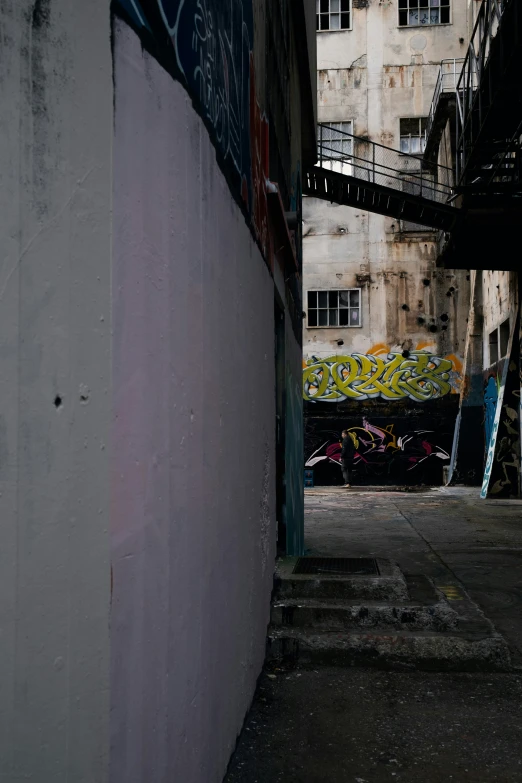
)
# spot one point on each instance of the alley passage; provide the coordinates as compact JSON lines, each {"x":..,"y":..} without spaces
{"x":311,"y":725}
{"x":447,"y":534}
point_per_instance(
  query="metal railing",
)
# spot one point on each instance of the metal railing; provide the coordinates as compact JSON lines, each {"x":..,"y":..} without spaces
{"x":486,"y":26}
{"x":448,"y":76}
{"x":368,"y":161}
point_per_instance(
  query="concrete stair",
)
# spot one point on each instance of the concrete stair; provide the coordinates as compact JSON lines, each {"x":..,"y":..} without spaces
{"x":390,"y":620}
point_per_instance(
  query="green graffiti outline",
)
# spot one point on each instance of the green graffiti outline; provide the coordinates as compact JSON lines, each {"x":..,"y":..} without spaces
{"x":421,"y":377}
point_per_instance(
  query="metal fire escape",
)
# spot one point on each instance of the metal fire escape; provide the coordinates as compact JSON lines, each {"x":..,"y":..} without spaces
{"x":488,"y":143}
{"x":360,"y":173}
{"x":489,"y":102}
{"x":478,"y":201}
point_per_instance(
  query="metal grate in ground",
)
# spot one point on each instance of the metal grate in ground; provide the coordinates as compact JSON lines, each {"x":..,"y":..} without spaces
{"x":337,"y":566}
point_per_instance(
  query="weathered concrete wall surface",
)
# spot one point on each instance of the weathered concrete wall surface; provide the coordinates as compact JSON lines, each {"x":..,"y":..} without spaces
{"x":192,"y":525}
{"x":372,"y":76}
{"x":375,"y":33}
{"x":55,"y":144}
{"x":499,"y":303}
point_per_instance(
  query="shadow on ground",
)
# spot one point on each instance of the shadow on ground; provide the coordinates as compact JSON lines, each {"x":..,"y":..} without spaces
{"x":339,"y":726}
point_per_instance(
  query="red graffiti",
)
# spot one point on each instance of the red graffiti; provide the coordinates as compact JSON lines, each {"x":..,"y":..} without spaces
{"x":259,"y":155}
{"x":379,"y":447}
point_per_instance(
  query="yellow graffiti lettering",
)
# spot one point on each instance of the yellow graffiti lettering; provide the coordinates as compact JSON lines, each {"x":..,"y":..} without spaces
{"x":421,"y":377}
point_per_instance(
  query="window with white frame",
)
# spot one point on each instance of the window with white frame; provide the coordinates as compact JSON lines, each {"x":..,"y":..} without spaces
{"x":334,"y":308}
{"x":335,"y":146}
{"x":333,"y":15}
{"x":413,"y":135}
{"x":416,"y":13}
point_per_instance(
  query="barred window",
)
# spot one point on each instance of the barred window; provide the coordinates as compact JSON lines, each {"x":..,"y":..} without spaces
{"x":334,"y":308}
{"x":335,"y":146}
{"x":333,"y":15}
{"x":415,"y":13}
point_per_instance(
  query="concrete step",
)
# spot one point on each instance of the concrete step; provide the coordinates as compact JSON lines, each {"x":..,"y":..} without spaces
{"x":388,"y":620}
{"x":388,"y":585}
{"x":339,"y":615}
{"x":400,"y":650}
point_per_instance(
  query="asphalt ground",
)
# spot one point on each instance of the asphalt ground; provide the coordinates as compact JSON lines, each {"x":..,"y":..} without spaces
{"x":363,"y":725}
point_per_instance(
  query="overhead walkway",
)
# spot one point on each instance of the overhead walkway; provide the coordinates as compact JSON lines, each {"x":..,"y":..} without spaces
{"x":359,"y":173}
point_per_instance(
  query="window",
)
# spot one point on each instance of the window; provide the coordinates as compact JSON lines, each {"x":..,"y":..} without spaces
{"x":413,"y":13}
{"x":334,"y":308}
{"x":493,"y":347}
{"x":333,"y":15}
{"x":499,"y":342}
{"x":504,"y":338}
{"x":413,"y":135}
{"x":335,"y":146}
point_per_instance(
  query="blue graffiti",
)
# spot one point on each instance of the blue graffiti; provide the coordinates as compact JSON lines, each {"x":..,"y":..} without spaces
{"x":135,"y":12}
{"x":490,"y":407}
{"x":212,"y":43}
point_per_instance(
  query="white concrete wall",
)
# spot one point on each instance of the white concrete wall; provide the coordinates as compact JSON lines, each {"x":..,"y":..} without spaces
{"x":192,"y":523}
{"x":55,"y":258}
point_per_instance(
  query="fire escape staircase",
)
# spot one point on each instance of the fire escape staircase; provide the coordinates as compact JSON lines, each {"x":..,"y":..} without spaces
{"x":488,"y":152}
{"x":359,"y":173}
{"x":489,"y":102}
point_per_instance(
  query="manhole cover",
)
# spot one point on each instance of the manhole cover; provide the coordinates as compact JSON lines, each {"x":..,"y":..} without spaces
{"x":351,"y":566}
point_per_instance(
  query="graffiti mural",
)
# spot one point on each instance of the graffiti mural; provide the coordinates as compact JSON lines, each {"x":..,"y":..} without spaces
{"x":503,"y":454}
{"x":490,"y":406}
{"x":502,"y":429}
{"x":208,"y":45}
{"x":381,"y":453}
{"x":259,"y":150}
{"x":421,"y":376}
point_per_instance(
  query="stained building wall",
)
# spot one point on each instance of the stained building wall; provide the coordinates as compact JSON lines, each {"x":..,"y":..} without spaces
{"x":487,"y":443}
{"x":373,"y":75}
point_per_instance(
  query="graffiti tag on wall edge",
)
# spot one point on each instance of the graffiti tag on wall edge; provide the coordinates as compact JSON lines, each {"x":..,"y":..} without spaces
{"x":212,"y":45}
{"x":421,"y":377}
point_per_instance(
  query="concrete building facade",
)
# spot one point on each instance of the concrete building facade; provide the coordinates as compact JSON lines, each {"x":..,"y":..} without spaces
{"x":151,"y":369}
{"x":376,"y":80}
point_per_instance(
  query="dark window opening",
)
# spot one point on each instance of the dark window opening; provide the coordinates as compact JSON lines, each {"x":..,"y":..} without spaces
{"x":419,"y":13}
{"x":334,"y":308}
{"x":504,"y":338}
{"x":493,"y":347}
{"x":333,"y":14}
